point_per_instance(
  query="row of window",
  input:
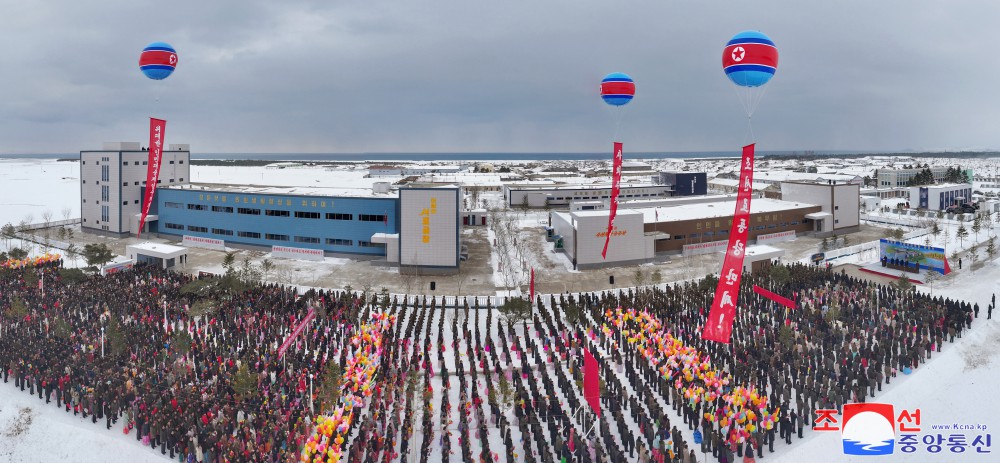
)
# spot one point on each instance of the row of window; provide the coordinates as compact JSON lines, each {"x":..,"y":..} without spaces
{"x":575,"y":198}
{"x":136,"y":162}
{"x":157,"y":181}
{"x":273,"y":236}
{"x":280,"y":212}
{"x":694,"y":236}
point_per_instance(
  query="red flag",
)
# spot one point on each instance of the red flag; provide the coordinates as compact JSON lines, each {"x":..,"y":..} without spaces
{"x":532,"y":290}
{"x":719,"y":324}
{"x":157,"y":133}
{"x":774,"y":297}
{"x":591,"y":382}
{"x":295,"y":333}
{"x":616,"y":177}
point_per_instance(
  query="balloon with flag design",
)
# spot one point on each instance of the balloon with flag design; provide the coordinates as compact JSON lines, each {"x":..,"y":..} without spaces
{"x":617,"y":89}
{"x":750,"y":59}
{"x":158,"y":60}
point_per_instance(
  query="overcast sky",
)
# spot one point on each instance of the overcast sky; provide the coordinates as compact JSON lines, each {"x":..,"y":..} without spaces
{"x":478,"y":76}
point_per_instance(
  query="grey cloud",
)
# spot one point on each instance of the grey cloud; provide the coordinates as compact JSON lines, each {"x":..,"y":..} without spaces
{"x":453,"y":75}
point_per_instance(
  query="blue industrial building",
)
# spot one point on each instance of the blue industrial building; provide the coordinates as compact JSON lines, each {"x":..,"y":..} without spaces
{"x":273,"y":216}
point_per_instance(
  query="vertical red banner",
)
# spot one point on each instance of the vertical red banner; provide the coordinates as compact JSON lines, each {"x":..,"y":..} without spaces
{"x":616,"y":177}
{"x":532,"y":289}
{"x":157,"y":132}
{"x":591,"y":381}
{"x":719,"y":325}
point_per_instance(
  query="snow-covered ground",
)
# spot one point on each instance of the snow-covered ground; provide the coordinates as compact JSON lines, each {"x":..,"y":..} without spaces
{"x":954,"y":388}
{"x":32,"y":431}
{"x":30,"y":187}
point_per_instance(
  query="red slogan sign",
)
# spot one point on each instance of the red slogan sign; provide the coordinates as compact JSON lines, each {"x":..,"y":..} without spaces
{"x":157,"y":133}
{"x":295,"y":333}
{"x":774,"y":297}
{"x":719,"y":325}
{"x":616,"y":178}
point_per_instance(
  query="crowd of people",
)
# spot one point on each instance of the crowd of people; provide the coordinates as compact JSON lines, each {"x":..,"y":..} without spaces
{"x":139,"y":351}
{"x":206,"y":389}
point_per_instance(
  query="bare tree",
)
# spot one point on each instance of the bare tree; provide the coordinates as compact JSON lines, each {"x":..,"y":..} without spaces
{"x":266,"y":266}
{"x":9,"y":232}
{"x":639,"y":277}
{"x":47,"y":217}
{"x":72,"y":251}
{"x":22,"y":228}
{"x":973,"y":256}
{"x":962,"y":234}
{"x":460,"y":279}
{"x":66,"y":211}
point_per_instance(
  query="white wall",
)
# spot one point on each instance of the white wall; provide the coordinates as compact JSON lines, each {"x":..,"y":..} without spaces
{"x":562,"y":224}
{"x":429,"y":227}
{"x":841,"y":200}
{"x":126,"y":177}
{"x":590,"y":229}
{"x":846,"y":206}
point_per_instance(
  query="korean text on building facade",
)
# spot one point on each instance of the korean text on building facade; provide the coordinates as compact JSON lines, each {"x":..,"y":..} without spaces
{"x":425,"y":220}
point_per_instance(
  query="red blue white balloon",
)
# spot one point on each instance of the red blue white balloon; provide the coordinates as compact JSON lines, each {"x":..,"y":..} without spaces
{"x":617,"y":89}
{"x":158,"y":60}
{"x":750,"y":59}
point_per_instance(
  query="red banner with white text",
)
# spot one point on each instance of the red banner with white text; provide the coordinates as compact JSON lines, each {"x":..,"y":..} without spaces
{"x":719,"y":325}
{"x":774,"y":297}
{"x":616,"y":177}
{"x":157,"y":133}
{"x":296,"y":332}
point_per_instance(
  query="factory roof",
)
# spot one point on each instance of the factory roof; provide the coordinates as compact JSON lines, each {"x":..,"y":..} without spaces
{"x":361,"y":192}
{"x":702,"y":210}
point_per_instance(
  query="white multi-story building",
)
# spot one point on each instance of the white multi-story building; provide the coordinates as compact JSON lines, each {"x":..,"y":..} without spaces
{"x":538,"y":196}
{"x":840,"y":203}
{"x":939,"y":197}
{"x":889,"y":178}
{"x":112,"y":182}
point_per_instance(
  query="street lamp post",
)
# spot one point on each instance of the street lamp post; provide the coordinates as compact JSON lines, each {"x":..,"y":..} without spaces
{"x":311,"y":410}
{"x":102,"y":342}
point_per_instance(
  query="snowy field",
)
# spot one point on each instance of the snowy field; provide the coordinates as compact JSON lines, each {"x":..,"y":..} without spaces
{"x":30,"y":187}
{"x":33,"y":432}
{"x":955,"y":387}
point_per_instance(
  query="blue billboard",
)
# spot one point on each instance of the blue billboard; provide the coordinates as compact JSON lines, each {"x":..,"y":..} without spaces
{"x":928,"y":257}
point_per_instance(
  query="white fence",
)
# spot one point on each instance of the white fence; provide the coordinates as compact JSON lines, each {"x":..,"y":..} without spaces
{"x":850,"y":250}
{"x":54,"y":223}
{"x":704,"y":248}
{"x":903,"y":220}
{"x":871,"y":245}
{"x":41,"y":240}
{"x":776,"y":237}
